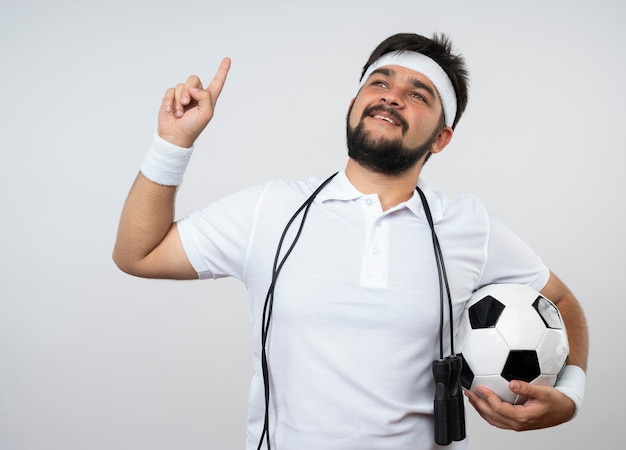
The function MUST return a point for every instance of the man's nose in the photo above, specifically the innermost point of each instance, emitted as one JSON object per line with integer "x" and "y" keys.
{"x": 392, "y": 97}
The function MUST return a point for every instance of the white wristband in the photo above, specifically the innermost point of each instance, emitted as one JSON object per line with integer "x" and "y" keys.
{"x": 571, "y": 382}
{"x": 165, "y": 163}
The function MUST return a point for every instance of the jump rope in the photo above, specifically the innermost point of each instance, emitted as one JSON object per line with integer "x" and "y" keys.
{"x": 448, "y": 402}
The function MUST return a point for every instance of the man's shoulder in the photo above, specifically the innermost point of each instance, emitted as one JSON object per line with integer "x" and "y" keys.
{"x": 456, "y": 205}
{"x": 290, "y": 188}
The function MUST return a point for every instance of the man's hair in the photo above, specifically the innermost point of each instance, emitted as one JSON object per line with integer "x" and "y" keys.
{"x": 438, "y": 48}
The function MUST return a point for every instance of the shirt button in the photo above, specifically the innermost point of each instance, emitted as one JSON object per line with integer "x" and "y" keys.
{"x": 368, "y": 202}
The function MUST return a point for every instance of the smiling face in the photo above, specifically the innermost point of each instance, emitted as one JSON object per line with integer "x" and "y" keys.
{"x": 394, "y": 121}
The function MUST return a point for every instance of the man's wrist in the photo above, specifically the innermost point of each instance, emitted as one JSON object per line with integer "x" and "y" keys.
{"x": 165, "y": 163}
{"x": 571, "y": 382}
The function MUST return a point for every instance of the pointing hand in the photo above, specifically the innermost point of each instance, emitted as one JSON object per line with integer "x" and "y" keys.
{"x": 187, "y": 108}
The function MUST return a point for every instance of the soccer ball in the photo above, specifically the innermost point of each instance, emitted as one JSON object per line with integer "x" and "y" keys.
{"x": 510, "y": 332}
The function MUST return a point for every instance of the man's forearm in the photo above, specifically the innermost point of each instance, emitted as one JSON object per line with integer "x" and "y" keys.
{"x": 146, "y": 218}
{"x": 574, "y": 318}
{"x": 576, "y": 326}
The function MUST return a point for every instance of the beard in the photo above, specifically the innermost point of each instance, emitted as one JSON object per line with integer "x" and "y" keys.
{"x": 384, "y": 156}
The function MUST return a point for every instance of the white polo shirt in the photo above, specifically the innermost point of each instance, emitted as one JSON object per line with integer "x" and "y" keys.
{"x": 356, "y": 307}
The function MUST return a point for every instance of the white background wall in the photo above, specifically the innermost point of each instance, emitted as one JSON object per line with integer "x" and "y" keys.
{"x": 93, "y": 359}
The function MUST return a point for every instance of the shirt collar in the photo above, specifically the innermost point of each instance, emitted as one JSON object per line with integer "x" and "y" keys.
{"x": 435, "y": 202}
{"x": 340, "y": 188}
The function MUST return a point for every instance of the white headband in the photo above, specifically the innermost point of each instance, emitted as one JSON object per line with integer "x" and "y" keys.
{"x": 427, "y": 67}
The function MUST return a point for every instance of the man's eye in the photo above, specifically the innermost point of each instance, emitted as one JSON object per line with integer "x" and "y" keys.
{"x": 418, "y": 96}
{"x": 379, "y": 83}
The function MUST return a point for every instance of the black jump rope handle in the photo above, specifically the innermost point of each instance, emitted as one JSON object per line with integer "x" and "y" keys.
{"x": 441, "y": 373}
{"x": 457, "y": 407}
{"x": 449, "y": 408}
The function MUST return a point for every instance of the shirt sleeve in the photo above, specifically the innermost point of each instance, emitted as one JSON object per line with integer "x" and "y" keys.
{"x": 216, "y": 238}
{"x": 511, "y": 260}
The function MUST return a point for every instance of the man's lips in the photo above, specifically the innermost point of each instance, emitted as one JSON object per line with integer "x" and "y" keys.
{"x": 386, "y": 114}
{"x": 385, "y": 118}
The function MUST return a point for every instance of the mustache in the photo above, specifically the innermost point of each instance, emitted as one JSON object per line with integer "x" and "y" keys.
{"x": 390, "y": 112}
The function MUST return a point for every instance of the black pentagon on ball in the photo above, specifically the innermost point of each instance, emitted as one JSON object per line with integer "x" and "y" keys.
{"x": 548, "y": 313}
{"x": 485, "y": 313}
{"x": 467, "y": 376}
{"x": 521, "y": 365}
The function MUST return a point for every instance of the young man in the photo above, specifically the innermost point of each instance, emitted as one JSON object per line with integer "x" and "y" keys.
{"x": 345, "y": 305}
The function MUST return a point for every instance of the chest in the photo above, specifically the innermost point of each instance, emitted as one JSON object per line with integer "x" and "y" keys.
{"x": 367, "y": 269}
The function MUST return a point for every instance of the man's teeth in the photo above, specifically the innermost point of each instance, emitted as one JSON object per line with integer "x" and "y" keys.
{"x": 383, "y": 118}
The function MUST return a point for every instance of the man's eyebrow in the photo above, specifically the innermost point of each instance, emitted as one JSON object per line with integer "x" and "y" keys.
{"x": 385, "y": 71}
{"x": 414, "y": 81}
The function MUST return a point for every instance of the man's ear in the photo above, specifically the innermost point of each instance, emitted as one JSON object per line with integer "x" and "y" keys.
{"x": 443, "y": 139}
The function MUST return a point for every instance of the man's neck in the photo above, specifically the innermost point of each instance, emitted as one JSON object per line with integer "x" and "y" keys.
{"x": 391, "y": 190}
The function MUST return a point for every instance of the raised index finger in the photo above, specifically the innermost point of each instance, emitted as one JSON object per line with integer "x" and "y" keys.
{"x": 217, "y": 83}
